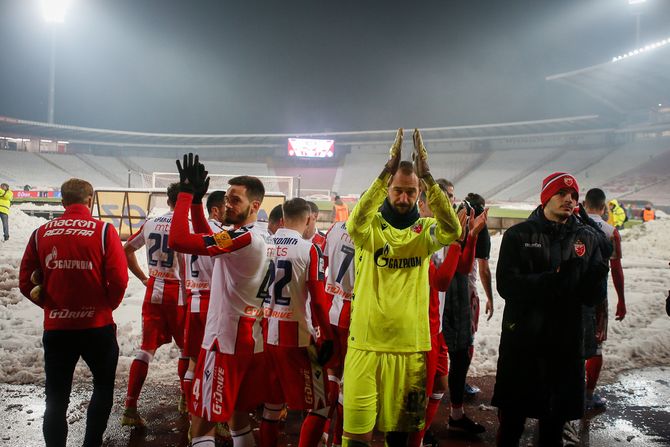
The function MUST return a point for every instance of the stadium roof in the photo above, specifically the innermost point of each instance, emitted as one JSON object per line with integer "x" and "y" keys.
{"x": 638, "y": 80}
{"x": 18, "y": 128}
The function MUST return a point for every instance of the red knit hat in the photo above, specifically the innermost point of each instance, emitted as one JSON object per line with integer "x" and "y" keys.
{"x": 554, "y": 183}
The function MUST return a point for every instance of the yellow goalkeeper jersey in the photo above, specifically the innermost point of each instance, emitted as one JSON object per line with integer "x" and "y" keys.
{"x": 391, "y": 290}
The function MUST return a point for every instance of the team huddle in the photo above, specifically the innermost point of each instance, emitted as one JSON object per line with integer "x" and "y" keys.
{"x": 366, "y": 327}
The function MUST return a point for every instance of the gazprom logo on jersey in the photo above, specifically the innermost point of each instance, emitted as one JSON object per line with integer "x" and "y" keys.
{"x": 382, "y": 259}
{"x": 52, "y": 262}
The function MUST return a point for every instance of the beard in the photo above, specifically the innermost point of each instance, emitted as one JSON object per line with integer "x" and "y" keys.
{"x": 402, "y": 208}
{"x": 238, "y": 218}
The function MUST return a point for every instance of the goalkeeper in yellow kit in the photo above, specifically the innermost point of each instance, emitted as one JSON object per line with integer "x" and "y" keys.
{"x": 389, "y": 335}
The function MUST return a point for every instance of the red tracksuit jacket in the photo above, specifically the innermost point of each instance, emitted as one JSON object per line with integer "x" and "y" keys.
{"x": 83, "y": 266}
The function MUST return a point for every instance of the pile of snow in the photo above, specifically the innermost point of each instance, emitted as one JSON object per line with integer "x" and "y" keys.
{"x": 21, "y": 321}
{"x": 525, "y": 206}
{"x": 642, "y": 339}
{"x": 40, "y": 206}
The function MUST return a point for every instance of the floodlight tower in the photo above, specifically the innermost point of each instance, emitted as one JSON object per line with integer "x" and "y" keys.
{"x": 637, "y": 12}
{"x": 54, "y": 14}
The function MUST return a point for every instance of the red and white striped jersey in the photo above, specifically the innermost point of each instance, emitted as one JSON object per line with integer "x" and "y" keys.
{"x": 198, "y": 274}
{"x": 163, "y": 262}
{"x": 339, "y": 253}
{"x": 319, "y": 239}
{"x": 239, "y": 277}
{"x": 238, "y": 283}
{"x": 287, "y": 309}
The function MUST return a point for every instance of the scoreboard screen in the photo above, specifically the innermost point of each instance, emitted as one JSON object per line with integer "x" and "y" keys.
{"x": 306, "y": 147}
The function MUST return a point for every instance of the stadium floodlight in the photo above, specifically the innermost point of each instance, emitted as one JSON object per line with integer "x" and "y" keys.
{"x": 645, "y": 49}
{"x": 54, "y": 10}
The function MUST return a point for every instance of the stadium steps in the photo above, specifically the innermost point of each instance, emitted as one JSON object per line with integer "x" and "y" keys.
{"x": 55, "y": 165}
{"x": 516, "y": 177}
{"x": 8, "y": 177}
{"x": 532, "y": 192}
{"x": 645, "y": 177}
{"x": 133, "y": 166}
{"x": 594, "y": 162}
{"x": 102, "y": 170}
{"x": 337, "y": 181}
{"x": 471, "y": 167}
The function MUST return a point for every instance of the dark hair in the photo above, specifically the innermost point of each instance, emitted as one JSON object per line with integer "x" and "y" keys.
{"x": 595, "y": 198}
{"x": 444, "y": 183}
{"x": 296, "y": 207}
{"x": 215, "y": 199}
{"x": 255, "y": 188}
{"x": 473, "y": 201}
{"x": 75, "y": 191}
{"x": 406, "y": 167}
{"x": 172, "y": 193}
{"x": 313, "y": 208}
{"x": 476, "y": 201}
{"x": 276, "y": 214}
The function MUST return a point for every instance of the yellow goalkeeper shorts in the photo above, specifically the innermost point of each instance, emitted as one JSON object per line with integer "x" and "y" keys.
{"x": 384, "y": 387}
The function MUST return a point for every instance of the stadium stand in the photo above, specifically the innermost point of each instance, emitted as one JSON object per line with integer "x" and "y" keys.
{"x": 34, "y": 169}
{"x": 568, "y": 161}
{"x": 112, "y": 167}
{"x": 454, "y": 165}
{"x": 77, "y": 167}
{"x": 647, "y": 176}
{"x": 359, "y": 168}
{"x": 500, "y": 167}
{"x": 608, "y": 172}
{"x": 312, "y": 179}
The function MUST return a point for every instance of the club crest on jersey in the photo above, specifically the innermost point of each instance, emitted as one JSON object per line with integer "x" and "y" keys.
{"x": 417, "y": 228}
{"x": 580, "y": 248}
{"x": 223, "y": 239}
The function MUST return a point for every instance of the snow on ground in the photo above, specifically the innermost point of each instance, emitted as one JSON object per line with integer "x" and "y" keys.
{"x": 21, "y": 355}
{"x": 526, "y": 206}
{"x": 642, "y": 339}
{"x": 41, "y": 206}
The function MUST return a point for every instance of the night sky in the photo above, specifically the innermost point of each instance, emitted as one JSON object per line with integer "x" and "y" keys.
{"x": 255, "y": 66}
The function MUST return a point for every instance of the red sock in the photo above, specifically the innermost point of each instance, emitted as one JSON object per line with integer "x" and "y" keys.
{"x": 326, "y": 428}
{"x": 269, "y": 433}
{"x": 415, "y": 439}
{"x": 182, "y": 367}
{"x": 311, "y": 431}
{"x": 138, "y": 373}
{"x": 333, "y": 389}
{"x": 593, "y": 366}
{"x": 433, "y": 405}
{"x": 188, "y": 387}
{"x": 431, "y": 409}
{"x": 339, "y": 422}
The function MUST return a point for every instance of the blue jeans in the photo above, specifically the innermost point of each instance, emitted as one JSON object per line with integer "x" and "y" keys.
{"x": 5, "y": 225}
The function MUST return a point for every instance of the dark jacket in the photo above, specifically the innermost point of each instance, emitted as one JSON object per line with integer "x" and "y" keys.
{"x": 545, "y": 272}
